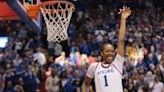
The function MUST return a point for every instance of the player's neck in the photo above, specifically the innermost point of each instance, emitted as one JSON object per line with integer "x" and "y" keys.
{"x": 105, "y": 62}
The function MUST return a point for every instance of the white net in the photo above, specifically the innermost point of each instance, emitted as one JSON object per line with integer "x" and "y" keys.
{"x": 57, "y": 16}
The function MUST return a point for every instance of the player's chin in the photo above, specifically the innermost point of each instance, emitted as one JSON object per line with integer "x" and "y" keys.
{"x": 109, "y": 61}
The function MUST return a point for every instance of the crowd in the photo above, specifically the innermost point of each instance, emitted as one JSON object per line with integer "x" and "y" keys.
{"x": 31, "y": 64}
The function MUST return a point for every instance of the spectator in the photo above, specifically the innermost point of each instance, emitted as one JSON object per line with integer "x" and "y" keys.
{"x": 31, "y": 80}
{"x": 18, "y": 46}
{"x": 39, "y": 56}
{"x": 141, "y": 85}
{"x": 18, "y": 88}
{"x": 17, "y": 60}
{"x": 21, "y": 83}
{"x": 156, "y": 85}
{"x": 9, "y": 87}
{"x": 52, "y": 82}
{"x": 63, "y": 82}
{"x": 61, "y": 60}
{"x": 149, "y": 77}
{"x": 2, "y": 84}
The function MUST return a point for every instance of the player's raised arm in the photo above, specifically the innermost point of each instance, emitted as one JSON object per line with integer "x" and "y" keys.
{"x": 125, "y": 12}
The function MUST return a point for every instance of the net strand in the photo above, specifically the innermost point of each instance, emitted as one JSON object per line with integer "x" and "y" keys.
{"x": 57, "y": 22}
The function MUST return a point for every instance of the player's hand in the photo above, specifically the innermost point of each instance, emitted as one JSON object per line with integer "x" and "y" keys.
{"x": 125, "y": 12}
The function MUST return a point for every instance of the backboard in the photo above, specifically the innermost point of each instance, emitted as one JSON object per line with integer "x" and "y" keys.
{"x": 15, "y": 10}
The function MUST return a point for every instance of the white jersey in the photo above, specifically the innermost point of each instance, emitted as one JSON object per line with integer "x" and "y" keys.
{"x": 108, "y": 78}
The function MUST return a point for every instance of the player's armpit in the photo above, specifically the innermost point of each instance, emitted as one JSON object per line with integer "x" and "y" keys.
{"x": 118, "y": 63}
{"x": 86, "y": 83}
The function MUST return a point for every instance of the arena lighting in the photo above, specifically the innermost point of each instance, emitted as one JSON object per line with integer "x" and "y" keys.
{"x": 3, "y": 41}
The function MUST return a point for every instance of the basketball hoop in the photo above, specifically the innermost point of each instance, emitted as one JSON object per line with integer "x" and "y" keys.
{"x": 57, "y": 15}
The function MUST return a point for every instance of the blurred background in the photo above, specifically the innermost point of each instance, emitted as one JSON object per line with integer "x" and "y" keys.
{"x": 28, "y": 63}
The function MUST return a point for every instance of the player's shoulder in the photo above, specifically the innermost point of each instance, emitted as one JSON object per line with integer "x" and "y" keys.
{"x": 118, "y": 56}
{"x": 94, "y": 64}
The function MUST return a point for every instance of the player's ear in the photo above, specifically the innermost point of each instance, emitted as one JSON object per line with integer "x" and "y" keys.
{"x": 101, "y": 53}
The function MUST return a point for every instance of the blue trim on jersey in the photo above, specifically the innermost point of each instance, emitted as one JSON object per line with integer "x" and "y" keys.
{"x": 117, "y": 69}
{"x": 105, "y": 66}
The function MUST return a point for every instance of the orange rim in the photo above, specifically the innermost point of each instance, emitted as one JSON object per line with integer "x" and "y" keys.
{"x": 71, "y": 8}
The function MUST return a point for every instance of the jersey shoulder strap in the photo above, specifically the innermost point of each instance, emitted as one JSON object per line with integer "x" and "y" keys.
{"x": 97, "y": 65}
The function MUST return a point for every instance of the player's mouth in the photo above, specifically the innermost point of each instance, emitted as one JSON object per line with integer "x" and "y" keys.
{"x": 110, "y": 58}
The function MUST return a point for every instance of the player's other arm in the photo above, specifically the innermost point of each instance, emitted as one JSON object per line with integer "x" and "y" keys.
{"x": 85, "y": 85}
{"x": 125, "y": 12}
{"x": 89, "y": 76}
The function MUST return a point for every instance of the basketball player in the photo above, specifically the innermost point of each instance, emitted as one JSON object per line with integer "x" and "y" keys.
{"x": 108, "y": 73}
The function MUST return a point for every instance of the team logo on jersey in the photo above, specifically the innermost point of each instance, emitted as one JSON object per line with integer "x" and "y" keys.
{"x": 102, "y": 72}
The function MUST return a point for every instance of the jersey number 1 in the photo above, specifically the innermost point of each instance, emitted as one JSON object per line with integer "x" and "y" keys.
{"x": 105, "y": 78}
